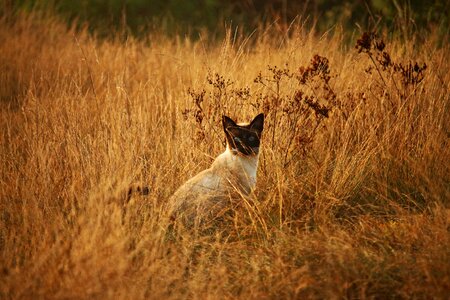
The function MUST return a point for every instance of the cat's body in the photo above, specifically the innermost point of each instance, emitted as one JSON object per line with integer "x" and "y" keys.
{"x": 231, "y": 176}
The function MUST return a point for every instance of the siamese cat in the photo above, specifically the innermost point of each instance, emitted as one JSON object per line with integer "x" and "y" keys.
{"x": 232, "y": 175}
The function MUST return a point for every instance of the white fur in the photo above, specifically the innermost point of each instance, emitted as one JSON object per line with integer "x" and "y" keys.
{"x": 246, "y": 165}
{"x": 230, "y": 173}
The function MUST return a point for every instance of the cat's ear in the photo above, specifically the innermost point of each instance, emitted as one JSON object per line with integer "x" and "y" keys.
{"x": 227, "y": 122}
{"x": 258, "y": 123}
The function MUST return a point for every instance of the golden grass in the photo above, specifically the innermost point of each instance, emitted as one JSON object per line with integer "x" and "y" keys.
{"x": 353, "y": 205}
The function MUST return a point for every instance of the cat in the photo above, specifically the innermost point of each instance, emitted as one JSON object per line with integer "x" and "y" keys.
{"x": 232, "y": 175}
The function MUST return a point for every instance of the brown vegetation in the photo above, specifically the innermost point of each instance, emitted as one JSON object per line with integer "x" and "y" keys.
{"x": 353, "y": 187}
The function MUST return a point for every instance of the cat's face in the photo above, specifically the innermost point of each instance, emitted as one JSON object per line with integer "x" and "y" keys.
{"x": 244, "y": 139}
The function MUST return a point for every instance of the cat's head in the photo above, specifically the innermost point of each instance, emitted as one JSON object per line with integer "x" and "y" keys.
{"x": 243, "y": 139}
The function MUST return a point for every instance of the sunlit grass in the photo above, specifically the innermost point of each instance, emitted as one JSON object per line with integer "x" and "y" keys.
{"x": 353, "y": 185}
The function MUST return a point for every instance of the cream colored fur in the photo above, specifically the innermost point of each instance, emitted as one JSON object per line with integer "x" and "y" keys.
{"x": 211, "y": 192}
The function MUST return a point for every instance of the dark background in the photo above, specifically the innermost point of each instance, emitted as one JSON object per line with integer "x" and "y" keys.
{"x": 191, "y": 16}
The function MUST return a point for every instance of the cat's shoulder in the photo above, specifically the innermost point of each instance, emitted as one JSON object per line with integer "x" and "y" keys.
{"x": 203, "y": 181}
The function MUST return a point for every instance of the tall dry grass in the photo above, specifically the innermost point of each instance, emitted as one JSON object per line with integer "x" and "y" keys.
{"x": 353, "y": 186}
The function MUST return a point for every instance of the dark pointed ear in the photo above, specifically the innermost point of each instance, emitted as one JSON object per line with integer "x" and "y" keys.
{"x": 227, "y": 122}
{"x": 258, "y": 123}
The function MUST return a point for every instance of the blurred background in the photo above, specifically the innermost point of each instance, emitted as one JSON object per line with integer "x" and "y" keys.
{"x": 189, "y": 17}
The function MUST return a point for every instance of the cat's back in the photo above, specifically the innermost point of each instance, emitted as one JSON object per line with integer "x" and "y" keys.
{"x": 204, "y": 182}
{"x": 195, "y": 192}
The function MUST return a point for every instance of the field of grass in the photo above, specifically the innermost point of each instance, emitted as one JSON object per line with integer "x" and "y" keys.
{"x": 352, "y": 198}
